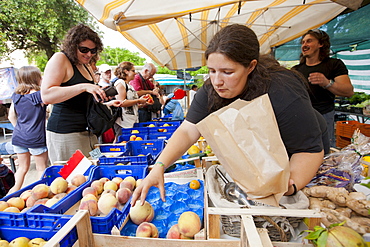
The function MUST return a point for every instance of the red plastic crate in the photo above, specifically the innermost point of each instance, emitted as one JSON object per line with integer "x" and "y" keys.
{"x": 346, "y": 128}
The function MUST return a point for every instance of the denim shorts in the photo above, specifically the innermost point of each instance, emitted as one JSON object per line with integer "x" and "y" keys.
{"x": 33, "y": 151}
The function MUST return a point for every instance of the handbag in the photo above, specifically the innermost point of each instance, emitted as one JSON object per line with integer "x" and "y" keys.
{"x": 100, "y": 117}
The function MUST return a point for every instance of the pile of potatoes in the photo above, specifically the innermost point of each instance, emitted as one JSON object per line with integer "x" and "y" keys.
{"x": 44, "y": 194}
{"x": 104, "y": 194}
{"x": 23, "y": 242}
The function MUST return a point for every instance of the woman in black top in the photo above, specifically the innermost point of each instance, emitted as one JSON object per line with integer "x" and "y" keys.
{"x": 238, "y": 72}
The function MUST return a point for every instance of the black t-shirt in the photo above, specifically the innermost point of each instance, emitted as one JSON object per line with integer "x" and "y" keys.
{"x": 322, "y": 99}
{"x": 302, "y": 129}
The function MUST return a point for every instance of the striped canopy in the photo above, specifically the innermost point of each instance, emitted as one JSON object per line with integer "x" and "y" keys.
{"x": 175, "y": 34}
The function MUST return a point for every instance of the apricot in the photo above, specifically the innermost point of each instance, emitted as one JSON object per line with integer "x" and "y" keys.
{"x": 90, "y": 190}
{"x": 40, "y": 191}
{"x": 107, "y": 202}
{"x": 140, "y": 213}
{"x": 12, "y": 210}
{"x": 98, "y": 186}
{"x": 25, "y": 194}
{"x": 78, "y": 179}
{"x": 189, "y": 224}
{"x": 117, "y": 180}
{"x": 130, "y": 179}
{"x": 147, "y": 230}
{"x": 3, "y": 205}
{"x": 90, "y": 205}
{"x": 16, "y": 202}
{"x": 59, "y": 185}
{"x": 126, "y": 184}
{"x": 110, "y": 185}
{"x": 123, "y": 195}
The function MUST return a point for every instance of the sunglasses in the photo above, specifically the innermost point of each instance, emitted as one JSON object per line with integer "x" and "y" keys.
{"x": 84, "y": 49}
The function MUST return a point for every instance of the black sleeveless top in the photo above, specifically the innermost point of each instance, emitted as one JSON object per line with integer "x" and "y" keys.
{"x": 70, "y": 116}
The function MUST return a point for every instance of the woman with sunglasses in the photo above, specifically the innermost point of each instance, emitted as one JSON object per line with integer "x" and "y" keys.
{"x": 68, "y": 81}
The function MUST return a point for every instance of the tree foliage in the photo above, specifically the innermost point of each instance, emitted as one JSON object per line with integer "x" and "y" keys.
{"x": 38, "y": 26}
{"x": 114, "y": 56}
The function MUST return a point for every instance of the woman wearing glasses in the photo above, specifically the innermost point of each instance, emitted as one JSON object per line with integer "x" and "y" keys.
{"x": 125, "y": 72}
{"x": 68, "y": 81}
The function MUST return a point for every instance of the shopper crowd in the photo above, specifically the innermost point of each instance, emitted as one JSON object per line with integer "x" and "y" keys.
{"x": 236, "y": 69}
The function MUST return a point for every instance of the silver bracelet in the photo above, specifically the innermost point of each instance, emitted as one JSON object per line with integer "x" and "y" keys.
{"x": 329, "y": 85}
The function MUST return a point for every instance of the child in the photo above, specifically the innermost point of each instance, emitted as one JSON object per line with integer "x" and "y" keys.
{"x": 28, "y": 114}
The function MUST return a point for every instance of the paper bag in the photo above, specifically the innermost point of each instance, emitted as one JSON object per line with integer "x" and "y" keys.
{"x": 245, "y": 138}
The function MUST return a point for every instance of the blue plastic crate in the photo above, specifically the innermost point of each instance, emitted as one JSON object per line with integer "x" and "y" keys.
{"x": 11, "y": 233}
{"x": 179, "y": 198}
{"x": 153, "y": 130}
{"x": 160, "y": 136}
{"x": 142, "y": 130}
{"x": 126, "y": 137}
{"x": 126, "y": 160}
{"x": 112, "y": 148}
{"x": 99, "y": 224}
{"x": 20, "y": 219}
{"x": 175, "y": 123}
{"x": 153, "y": 147}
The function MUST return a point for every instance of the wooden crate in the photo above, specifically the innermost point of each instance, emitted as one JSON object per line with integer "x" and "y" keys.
{"x": 250, "y": 235}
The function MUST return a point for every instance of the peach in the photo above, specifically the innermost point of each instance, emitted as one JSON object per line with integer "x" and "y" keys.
{"x": 89, "y": 197}
{"x": 16, "y": 202}
{"x": 138, "y": 138}
{"x": 189, "y": 224}
{"x": 30, "y": 202}
{"x": 117, "y": 180}
{"x": 23, "y": 210}
{"x": 147, "y": 230}
{"x": 98, "y": 186}
{"x": 110, "y": 185}
{"x": 70, "y": 188}
{"x": 140, "y": 213}
{"x": 60, "y": 196}
{"x": 12, "y": 210}
{"x": 131, "y": 179}
{"x": 132, "y": 137}
{"x": 51, "y": 202}
{"x": 59, "y": 185}
{"x": 104, "y": 180}
{"x": 40, "y": 191}
{"x": 113, "y": 192}
{"x": 78, "y": 179}
{"x": 90, "y": 190}
{"x": 126, "y": 184}
{"x": 89, "y": 205}
{"x": 3, "y": 205}
{"x": 173, "y": 232}
{"x": 25, "y": 194}
{"x": 138, "y": 182}
{"x": 41, "y": 201}
{"x": 123, "y": 195}
{"x": 107, "y": 202}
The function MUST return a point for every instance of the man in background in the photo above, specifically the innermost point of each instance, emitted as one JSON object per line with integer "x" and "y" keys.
{"x": 105, "y": 73}
{"x": 192, "y": 92}
{"x": 326, "y": 76}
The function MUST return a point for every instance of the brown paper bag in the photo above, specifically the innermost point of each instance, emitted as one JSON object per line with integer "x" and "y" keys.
{"x": 245, "y": 138}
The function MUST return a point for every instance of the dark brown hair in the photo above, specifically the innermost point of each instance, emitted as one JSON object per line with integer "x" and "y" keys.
{"x": 28, "y": 77}
{"x": 75, "y": 36}
{"x": 120, "y": 70}
{"x": 323, "y": 39}
{"x": 240, "y": 44}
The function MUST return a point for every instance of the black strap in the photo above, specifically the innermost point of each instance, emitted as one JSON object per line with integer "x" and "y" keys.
{"x": 295, "y": 190}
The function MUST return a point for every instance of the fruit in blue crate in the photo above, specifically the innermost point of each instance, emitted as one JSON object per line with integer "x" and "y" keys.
{"x": 98, "y": 186}
{"x": 110, "y": 185}
{"x": 132, "y": 137}
{"x": 138, "y": 182}
{"x": 89, "y": 197}
{"x": 193, "y": 150}
{"x": 4, "y": 243}
{"x": 78, "y": 179}
{"x": 36, "y": 242}
{"x": 123, "y": 195}
{"x": 19, "y": 242}
{"x": 3, "y": 205}
{"x": 12, "y": 210}
{"x": 91, "y": 206}
{"x": 165, "y": 125}
{"x": 107, "y": 202}
{"x": 70, "y": 188}
{"x": 138, "y": 138}
{"x": 25, "y": 195}
{"x": 147, "y": 230}
{"x": 126, "y": 184}
{"x": 151, "y": 125}
{"x": 141, "y": 213}
{"x": 59, "y": 185}
{"x": 40, "y": 191}
{"x": 194, "y": 184}
{"x": 16, "y": 202}
{"x": 134, "y": 132}
{"x": 117, "y": 180}
{"x": 173, "y": 232}
{"x": 90, "y": 190}
{"x": 189, "y": 224}
{"x": 130, "y": 179}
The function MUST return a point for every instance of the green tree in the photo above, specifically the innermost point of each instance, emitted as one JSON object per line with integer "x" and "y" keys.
{"x": 38, "y": 26}
{"x": 114, "y": 56}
